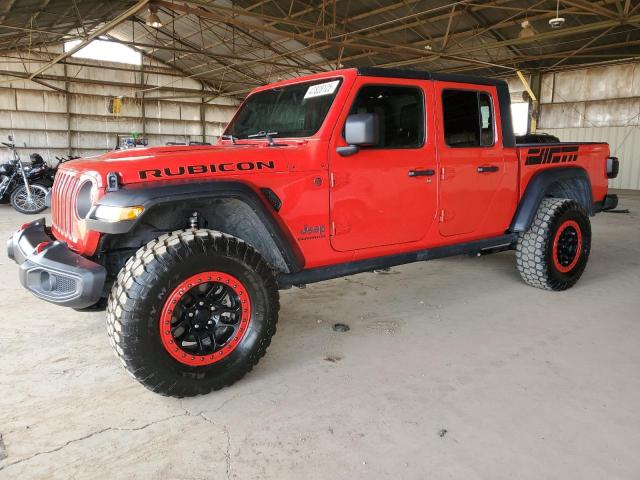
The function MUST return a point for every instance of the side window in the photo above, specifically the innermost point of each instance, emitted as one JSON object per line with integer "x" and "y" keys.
{"x": 400, "y": 112}
{"x": 468, "y": 118}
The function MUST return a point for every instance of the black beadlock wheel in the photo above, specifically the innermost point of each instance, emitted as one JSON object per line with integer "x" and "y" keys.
{"x": 193, "y": 311}
{"x": 553, "y": 253}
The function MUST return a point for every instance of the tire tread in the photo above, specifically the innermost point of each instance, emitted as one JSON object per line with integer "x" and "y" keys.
{"x": 133, "y": 283}
{"x": 532, "y": 247}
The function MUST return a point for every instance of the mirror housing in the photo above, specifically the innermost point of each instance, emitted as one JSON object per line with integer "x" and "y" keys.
{"x": 362, "y": 129}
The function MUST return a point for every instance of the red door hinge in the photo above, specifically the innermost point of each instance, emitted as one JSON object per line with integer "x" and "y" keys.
{"x": 337, "y": 180}
{"x": 340, "y": 229}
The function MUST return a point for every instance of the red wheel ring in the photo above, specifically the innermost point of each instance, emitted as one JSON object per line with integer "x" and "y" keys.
{"x": 567, "y": 246}
{"x": 204, "y": 318}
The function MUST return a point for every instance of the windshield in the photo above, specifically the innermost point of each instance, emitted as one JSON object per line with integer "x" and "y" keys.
{"x": 293, "y": 111}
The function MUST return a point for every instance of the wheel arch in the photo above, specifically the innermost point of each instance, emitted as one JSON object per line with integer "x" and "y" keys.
{"x": 567, "y": 182}
{"x": 233, "y": 208}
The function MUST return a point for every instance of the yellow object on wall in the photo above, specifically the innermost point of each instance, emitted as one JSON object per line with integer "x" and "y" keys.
{"x": 115, "y": 106}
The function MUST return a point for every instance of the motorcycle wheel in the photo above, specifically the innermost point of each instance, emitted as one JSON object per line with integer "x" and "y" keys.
{"x": 21, "y": 201}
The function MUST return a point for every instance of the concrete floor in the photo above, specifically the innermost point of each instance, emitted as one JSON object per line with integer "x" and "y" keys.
{"x": 452, "y": 369}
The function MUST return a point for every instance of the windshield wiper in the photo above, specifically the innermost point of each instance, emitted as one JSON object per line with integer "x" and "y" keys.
{"x": 267, "y": 135}
{"x": 229, "y": 137}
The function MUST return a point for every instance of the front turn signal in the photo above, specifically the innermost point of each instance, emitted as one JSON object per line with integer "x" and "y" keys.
{"x": 110, "y": 213}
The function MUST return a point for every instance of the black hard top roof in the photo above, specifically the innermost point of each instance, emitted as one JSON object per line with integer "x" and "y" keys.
{"x": 420, "y": 75}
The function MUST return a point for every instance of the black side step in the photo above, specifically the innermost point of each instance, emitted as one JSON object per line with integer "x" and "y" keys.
{"x": 319, "y": 274}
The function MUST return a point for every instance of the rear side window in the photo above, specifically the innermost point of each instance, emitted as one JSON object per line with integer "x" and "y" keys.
{"x": 468, "y": 119}
{"x": 400, "y": 112}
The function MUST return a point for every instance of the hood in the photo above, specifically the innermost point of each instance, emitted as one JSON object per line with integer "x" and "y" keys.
{"x": 185, "y": 162}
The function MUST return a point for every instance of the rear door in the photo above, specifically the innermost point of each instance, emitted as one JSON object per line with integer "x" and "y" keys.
{"x": 376, "y": 197}
{"x": 471, "y": 156}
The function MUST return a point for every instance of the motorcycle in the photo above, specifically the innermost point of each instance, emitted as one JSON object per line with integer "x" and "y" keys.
{"x": 41, "y": 172}
{"x": 25, "y": 188}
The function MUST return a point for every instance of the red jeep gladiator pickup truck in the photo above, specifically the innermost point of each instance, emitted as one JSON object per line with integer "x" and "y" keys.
{"x": 316, "y": 177}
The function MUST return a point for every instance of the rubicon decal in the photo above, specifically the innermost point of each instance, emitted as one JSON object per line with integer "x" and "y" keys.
{"x": 203, "y": 169}
{"x": 539, "y": 155}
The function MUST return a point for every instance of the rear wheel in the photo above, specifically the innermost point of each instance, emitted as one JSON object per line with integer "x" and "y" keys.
{"x": 192, "y": 312}
{"x": 31, "y": 203}
{"x": 554, "y": 252}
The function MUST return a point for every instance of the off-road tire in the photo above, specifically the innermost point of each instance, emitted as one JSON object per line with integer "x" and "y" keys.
{"x": 141, "y": 290}
{"x": 535, "y": 247}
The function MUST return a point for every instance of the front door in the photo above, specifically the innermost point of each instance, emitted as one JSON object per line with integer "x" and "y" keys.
{"x": 471, "y": 157}
{"x": 385, "y": 194}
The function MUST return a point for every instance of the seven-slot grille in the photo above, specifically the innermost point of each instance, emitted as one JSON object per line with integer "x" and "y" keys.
{"x": 63, "y": 200}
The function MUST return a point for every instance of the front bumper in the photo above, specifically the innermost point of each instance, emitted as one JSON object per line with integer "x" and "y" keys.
{"x": 53, "y": 272}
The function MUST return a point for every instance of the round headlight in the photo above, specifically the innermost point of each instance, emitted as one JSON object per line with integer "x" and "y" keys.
{"x": 85, "y": 199}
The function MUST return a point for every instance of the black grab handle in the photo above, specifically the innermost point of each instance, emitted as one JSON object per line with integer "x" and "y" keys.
{"x": 487, "y": 169}
{"x": 421, "y": 173}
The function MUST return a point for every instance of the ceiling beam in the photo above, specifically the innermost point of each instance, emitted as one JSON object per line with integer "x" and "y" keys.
{"x": 100, "y": 31}
{"x": 584, "y": 46}
{"x": 523, "y": 59}
{"x": 137, "y": 86}
{"x": 381, "y": 46}
{"x": 235, "y": 11}
{"x": 562, "y": 32}
{"x": 465, "y": 35}
{"x": 186, "y": 43}
{"x": 272, "y": 46}
{"x": 204, "y": 53}
{"x": 614, "y": 47}
{"x": 593, "y": 7}
{"x": 6, "y": 8}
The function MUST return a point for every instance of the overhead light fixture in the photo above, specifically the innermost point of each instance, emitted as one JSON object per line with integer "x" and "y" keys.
{"x": 153, "y": 20}
{"x": 558, "y": 21}
{"x": 527, "y": 30}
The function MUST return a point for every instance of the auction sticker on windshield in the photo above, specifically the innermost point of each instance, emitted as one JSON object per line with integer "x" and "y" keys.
{"x": 321, "y": 89}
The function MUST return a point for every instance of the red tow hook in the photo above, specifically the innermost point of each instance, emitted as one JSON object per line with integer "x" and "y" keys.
{"x": 41, "y": 246}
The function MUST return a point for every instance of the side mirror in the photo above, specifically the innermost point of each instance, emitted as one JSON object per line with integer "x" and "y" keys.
{"x": 360, "y": 130}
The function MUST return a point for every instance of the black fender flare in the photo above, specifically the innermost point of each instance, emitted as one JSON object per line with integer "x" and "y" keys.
{"x": 541, "y": 185}
{"x": 154, "y": 194}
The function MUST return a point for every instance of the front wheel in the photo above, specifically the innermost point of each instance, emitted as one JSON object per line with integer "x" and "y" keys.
{"x": 553, "y": 253}
{"x": 192, "y": 311}
{"x": 29, "y": 204}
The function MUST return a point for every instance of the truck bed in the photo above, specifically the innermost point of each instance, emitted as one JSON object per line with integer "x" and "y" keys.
{"x": 589, "y": 156}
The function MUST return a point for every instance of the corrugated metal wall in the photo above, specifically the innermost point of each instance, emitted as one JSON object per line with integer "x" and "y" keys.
{"x": 79, "y": 123}
{"x": 597, "y": 105}
{"x": 624, "y": 143}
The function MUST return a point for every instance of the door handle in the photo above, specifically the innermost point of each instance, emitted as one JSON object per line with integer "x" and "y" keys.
{"x": 421, "y": 173}
{"x": 488, "y": 169}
